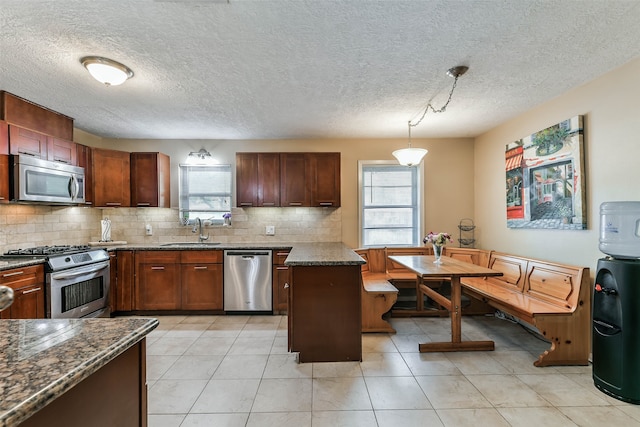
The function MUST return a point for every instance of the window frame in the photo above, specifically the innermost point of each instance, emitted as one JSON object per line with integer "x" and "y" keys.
{"x": 419, "y": 205}
{"x": 183, "y": 171}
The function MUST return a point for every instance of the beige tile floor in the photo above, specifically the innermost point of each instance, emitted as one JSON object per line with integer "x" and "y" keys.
{"x": 235, "y": 371}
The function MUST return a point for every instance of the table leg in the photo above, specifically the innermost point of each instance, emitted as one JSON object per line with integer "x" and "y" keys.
{"x": 456, "y": 343}
{"x": 419, "y": 296}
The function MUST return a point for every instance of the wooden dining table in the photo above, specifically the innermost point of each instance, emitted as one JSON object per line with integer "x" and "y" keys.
{"x": 448, "y": 268}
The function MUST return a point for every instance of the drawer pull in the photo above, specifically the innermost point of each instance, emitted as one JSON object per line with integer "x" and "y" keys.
{"x": 200, "y": 267}
{"x": 157, "y": 268}
{"x": 246, "y": 204}
{"x": 16, "y": 273}
{"x": 144, "y": 204}
{"x": 326, "y": 203}
{"x": 268, "y": 204}
{"x": 28, "y": 291}
{"x": 113, "y": 204}
{"x": 295, "y": 204}
{"x": 282, "y": 268}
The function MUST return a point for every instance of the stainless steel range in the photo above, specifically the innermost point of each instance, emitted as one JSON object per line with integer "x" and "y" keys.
{"x": 77, "y": 279}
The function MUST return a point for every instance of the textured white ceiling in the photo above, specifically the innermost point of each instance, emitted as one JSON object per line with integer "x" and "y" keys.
{"x": 252, "y": 69}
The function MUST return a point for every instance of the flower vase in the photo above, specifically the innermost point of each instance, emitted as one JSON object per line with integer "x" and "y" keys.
{"x": 227, "y": 222}
{"x": 437, "y": 253}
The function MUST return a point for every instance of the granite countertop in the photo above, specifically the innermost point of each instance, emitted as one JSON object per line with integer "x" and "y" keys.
{"x": 42, "y": 358}
{"x": 316, "y": 254}
{"x": 7, "y": 264}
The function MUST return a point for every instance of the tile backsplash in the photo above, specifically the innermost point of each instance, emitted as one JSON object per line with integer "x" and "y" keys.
{"x": 24, "y": 226}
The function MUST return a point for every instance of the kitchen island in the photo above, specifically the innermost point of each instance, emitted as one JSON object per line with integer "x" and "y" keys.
{"x": 325, "y": 323}
{"x": 72, "y": 372}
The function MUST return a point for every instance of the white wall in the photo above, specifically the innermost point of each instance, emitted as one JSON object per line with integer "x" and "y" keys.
{"x": 611, "y": 106}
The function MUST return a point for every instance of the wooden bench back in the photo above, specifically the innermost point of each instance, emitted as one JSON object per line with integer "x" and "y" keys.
{"x": 375, "y": 260}
{"x": 393, "y": 268}
{"x": 556, "y": 284}
{"x": 473, "y": 256}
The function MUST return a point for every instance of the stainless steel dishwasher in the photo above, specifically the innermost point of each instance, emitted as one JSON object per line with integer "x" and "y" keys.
{"x": 247, "y": 280}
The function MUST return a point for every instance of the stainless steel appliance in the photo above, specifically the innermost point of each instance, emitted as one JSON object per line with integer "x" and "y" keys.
{"x": 247, "y": 280}
{"x": 37, "y": 180}
{"x": 77, "y": 279}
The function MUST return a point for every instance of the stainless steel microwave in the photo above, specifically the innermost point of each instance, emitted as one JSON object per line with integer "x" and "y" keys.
{"x": 37, "y": 180}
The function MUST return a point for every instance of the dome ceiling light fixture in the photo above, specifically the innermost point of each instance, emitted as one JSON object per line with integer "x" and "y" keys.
{"x": 106, "y": 71}
{"x": 413, "y": 156}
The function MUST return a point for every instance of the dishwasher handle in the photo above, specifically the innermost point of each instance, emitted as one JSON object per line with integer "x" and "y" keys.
{"x": 247, "y": 254}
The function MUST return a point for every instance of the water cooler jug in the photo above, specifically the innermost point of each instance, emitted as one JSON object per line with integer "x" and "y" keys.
{"x": 616, "y": 303}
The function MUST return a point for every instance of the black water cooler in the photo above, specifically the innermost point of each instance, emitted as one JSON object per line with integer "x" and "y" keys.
{"x": 616, "y": 329}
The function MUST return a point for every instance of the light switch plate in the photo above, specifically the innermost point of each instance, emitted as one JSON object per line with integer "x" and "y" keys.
{"x": 270, "y": 230}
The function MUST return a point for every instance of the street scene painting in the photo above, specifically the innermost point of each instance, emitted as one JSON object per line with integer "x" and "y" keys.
{"x": 545, "y": 178}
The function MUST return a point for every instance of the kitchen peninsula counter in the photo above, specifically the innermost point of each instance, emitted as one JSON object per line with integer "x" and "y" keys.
{"x": 43, "y": 362}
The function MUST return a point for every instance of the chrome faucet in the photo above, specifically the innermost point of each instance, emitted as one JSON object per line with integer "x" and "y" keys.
{"x": 198, "y": 228}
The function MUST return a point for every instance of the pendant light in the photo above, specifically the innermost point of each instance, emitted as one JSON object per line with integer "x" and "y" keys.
{"x": 413, "y": 156}
{"x": 106, "y": 71}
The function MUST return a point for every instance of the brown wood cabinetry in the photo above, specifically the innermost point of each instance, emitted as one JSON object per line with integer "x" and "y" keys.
{"x": 25, "y": 114}
{"x": 4, "y": 137}
{"x": 84, "y": 156}
{"x": 257, "y": 179}
{"x": 157, "y": 280}
{"x": 201, "y": 274}
{"x": 325, "y": 313}
{"x": 122, "y": 283}
{"x": 150, "y": 180}
{"x": 61, "y": 150}
{"x": 293, "y": 180}
{"x": 288, "y": 179}
{"x": 25, "y": 141}
{"x": 281, "y": 279}
{"x": 28, "y": 292}
{"x": 111, "y": 171}
{"x": 323, "y": 178}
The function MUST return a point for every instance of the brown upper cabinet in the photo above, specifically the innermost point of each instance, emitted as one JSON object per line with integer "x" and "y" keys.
{"x": 111, "y": 172}
{"x": 323, "y": 178}
{"x": 257, "y": 179}
{"x": 4, "y": 162}
{"x": 150, "y": 180}
{"x": 84, "y": 155}
{"x": 288, "y": 179}
{"x": 37, "y": 131}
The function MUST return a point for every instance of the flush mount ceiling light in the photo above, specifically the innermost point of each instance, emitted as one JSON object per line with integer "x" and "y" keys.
{"x": 413, "y": 156}
{"x": 106, "y": 70}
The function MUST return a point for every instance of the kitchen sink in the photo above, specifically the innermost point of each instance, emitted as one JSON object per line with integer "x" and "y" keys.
{"x": 191, "y": 244}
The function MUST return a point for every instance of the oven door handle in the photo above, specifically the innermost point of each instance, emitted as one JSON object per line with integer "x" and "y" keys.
{"x": 80, "y": 271}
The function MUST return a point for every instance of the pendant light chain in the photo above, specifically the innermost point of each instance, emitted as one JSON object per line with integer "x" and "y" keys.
{"x": 430, "y": 107}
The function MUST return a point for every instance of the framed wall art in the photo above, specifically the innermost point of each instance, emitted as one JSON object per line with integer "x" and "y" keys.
{"x": 545, "y": 178}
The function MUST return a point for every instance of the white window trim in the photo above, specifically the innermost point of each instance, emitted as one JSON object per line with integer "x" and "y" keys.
{"x": 420, "y": 190}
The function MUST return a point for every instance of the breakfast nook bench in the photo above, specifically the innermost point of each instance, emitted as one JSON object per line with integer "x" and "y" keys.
{"x": 553, "y": 298}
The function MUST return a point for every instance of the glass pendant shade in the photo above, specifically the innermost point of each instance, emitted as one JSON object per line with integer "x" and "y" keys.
{"x": 107, "y": 71}
{"x": 409, "y": 156}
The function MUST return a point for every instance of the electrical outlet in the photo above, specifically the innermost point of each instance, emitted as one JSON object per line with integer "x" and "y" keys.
{"x": 148, "y": 230}
{"x": 270, "y": 230}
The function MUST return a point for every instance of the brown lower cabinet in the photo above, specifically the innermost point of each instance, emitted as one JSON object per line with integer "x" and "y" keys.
{"x": 201, "y": 280}
{"x": 115, "y": 395}
{"x": 325, "y": 323}
{"x": 4, "y": 178}
{"x": 281, "y": 281}
{"x": 28, "y": 292}
{"x": 173, "y": 280}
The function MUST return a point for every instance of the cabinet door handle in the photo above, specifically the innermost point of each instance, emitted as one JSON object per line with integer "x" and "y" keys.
{"x": 295, "y": 204}
{"x": 1, "y": 198}
{"x": 282, "y": 253}
{"x": 15, "y": 273}
{"x": 157, "y": 268}
{"x": 282, "y": 268}
{"x": 198, "y": 267}
{"x": 28, "y": 291}
{"x": 143, "y": 204}
{"x": 326, "y": 203}
{"x": 246, "y": 204}
{"x": 286, "y": 286}
{"x": 268, "y": 204}
{"x": 113, "y": 204}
